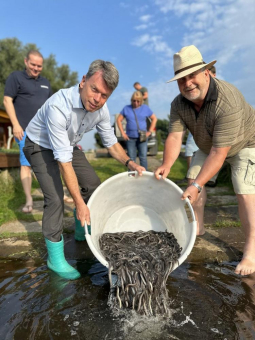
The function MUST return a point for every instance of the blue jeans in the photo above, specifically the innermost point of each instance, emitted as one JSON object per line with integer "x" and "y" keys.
{"x": 133, "y": 144}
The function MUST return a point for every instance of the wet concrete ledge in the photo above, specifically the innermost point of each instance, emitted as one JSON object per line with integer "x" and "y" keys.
{"x": 215, "y": 246}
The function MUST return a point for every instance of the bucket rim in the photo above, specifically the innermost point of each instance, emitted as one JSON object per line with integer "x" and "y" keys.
{"x": 193, "y": 223}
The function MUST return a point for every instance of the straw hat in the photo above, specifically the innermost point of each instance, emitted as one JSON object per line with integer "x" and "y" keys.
{"x": 187, "y": 61}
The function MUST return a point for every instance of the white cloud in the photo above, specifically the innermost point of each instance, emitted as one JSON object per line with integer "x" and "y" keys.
{"x": 153, "y": 44}
{"x": 144, "y": 26}
{"x": 142, "y": 40}
{"x": 141, "y": 9}
{"x": 214, "y": 25}
{"x": 145, "y": 18}
{"x": 141, "y": 27}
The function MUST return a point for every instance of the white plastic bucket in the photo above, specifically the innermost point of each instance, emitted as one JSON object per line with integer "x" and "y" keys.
{"x": 129, "y": 202}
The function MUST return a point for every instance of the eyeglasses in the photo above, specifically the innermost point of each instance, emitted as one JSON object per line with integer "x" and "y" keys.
{"x": 136, "y": 101}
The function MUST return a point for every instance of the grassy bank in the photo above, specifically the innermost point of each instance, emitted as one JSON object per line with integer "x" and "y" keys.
{"x": 12, "y": 196}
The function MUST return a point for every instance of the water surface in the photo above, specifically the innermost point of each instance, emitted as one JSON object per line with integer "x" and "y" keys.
{"x": 208, "y": 302}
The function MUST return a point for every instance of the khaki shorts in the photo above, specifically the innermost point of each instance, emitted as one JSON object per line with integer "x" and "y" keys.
{"x": 242, "y": 170}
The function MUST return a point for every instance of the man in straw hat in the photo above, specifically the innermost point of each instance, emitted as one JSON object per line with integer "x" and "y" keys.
{"x": 223, "y": 126}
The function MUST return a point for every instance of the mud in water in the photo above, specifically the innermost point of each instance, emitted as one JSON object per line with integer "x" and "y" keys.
{"x": 208, "y": 302}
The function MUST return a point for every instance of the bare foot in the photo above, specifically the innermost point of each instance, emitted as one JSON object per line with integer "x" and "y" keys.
{"x": 27, "y": 208}
{"x": 200, "y": 231}
{"x": 245, "y": 267}
{"x": 68, "y": 199}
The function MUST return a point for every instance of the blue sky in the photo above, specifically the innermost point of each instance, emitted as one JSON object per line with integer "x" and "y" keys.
{"x": 140, "y": 38}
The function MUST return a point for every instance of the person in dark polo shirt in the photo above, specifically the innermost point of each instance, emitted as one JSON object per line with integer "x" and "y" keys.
{"x": 25, "y": 92}
{"x": 223, "y": 126}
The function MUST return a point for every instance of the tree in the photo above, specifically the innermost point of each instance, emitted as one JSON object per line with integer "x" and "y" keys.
{"x": 12, "y": 54}
{"x": 162, "y": 132}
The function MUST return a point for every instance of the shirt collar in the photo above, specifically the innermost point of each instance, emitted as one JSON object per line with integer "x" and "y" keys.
{"x": 28, "y": 77}
{"x": 76, "y": 98}
{"x": 212, "y": 91}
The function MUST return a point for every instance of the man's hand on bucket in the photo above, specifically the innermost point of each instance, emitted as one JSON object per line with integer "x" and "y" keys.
{"x": 82, "y": 213}
{"x": 162, "y": 172}
{"x": 191, "y": 193}
{"x": 135, "y": 167}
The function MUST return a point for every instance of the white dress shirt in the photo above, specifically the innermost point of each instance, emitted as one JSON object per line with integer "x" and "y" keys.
{"x": 61, "y": 122}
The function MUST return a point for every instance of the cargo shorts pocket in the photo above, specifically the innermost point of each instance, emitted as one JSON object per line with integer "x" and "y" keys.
{"x": 250, "y": 173}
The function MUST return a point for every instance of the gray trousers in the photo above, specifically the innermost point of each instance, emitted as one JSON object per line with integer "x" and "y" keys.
{"x": 46, "y": 170}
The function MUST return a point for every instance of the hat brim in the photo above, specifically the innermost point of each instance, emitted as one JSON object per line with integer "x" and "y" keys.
{"x": 191, "y": 70}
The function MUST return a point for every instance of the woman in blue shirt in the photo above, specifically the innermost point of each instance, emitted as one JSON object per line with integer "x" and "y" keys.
{"x": 131, "y": 135}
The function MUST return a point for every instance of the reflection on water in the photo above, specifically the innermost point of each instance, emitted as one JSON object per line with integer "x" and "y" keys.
{"x": 208, "y": 302}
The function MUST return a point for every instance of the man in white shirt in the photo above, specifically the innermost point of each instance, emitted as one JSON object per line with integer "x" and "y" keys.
{"x": 52, "y": 136}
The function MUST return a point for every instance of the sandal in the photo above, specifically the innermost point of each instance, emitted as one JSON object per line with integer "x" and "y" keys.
{"x": 68, "y": 199}
{"x": 27, "y": 209}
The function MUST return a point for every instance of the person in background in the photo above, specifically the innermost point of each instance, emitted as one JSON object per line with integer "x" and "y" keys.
{"x": 51, "y": 147}
{"x": 190, "y": 148}
{"x": 143, "y": 91}
{"x": 25, "y": 92}
{"x": 131, "y": 135}
{"x": 223, "y": 126}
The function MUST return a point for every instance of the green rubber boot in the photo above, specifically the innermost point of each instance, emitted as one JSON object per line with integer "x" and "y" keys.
{"x": 79, "y": 233}
{"x": 57, "y": 262}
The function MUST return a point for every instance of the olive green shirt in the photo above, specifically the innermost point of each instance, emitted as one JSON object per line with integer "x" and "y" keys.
{"x": 143, "y": 90}
{"x": 225, "y": 119}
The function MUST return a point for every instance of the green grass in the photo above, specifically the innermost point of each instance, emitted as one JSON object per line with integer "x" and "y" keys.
{"x": 226, "y": 224}
{"x": 107, "y": 167}
{"x": 178, "y": 170}
{"x": 23, "y": 236}
{"x": 14, "y": 149}
{"x": 12, "y": 196}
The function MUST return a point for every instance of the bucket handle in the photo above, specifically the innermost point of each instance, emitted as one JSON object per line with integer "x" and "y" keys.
{"x": 132, "y": 173}
{"x": 87, "y": 228}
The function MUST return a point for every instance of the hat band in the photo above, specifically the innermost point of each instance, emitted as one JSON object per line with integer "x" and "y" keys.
{"x": 186, "y": 68}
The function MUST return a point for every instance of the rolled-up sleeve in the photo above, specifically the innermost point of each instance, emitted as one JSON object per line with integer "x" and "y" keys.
{"x": 176, "y": 124}
{"x": 105, "y": 130}
{"x": 57, "y": 133}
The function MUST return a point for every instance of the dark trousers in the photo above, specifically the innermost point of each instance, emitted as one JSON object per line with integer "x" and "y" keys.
{"x": 46, "y": 170}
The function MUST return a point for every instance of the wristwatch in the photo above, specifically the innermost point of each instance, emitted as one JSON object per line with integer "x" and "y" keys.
{"x": 129, "y": 160}
{"x": 199, "y": 188}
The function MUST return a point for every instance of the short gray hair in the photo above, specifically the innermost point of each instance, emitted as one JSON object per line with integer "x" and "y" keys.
{"x": 109, "y": 72}
{"x": 34, "y": 52}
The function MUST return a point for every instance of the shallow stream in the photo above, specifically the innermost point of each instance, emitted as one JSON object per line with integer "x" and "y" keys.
{"x": 208, "y": 302}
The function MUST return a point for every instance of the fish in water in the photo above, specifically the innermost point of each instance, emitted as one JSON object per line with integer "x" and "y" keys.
{"x": 142, "y": 261}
